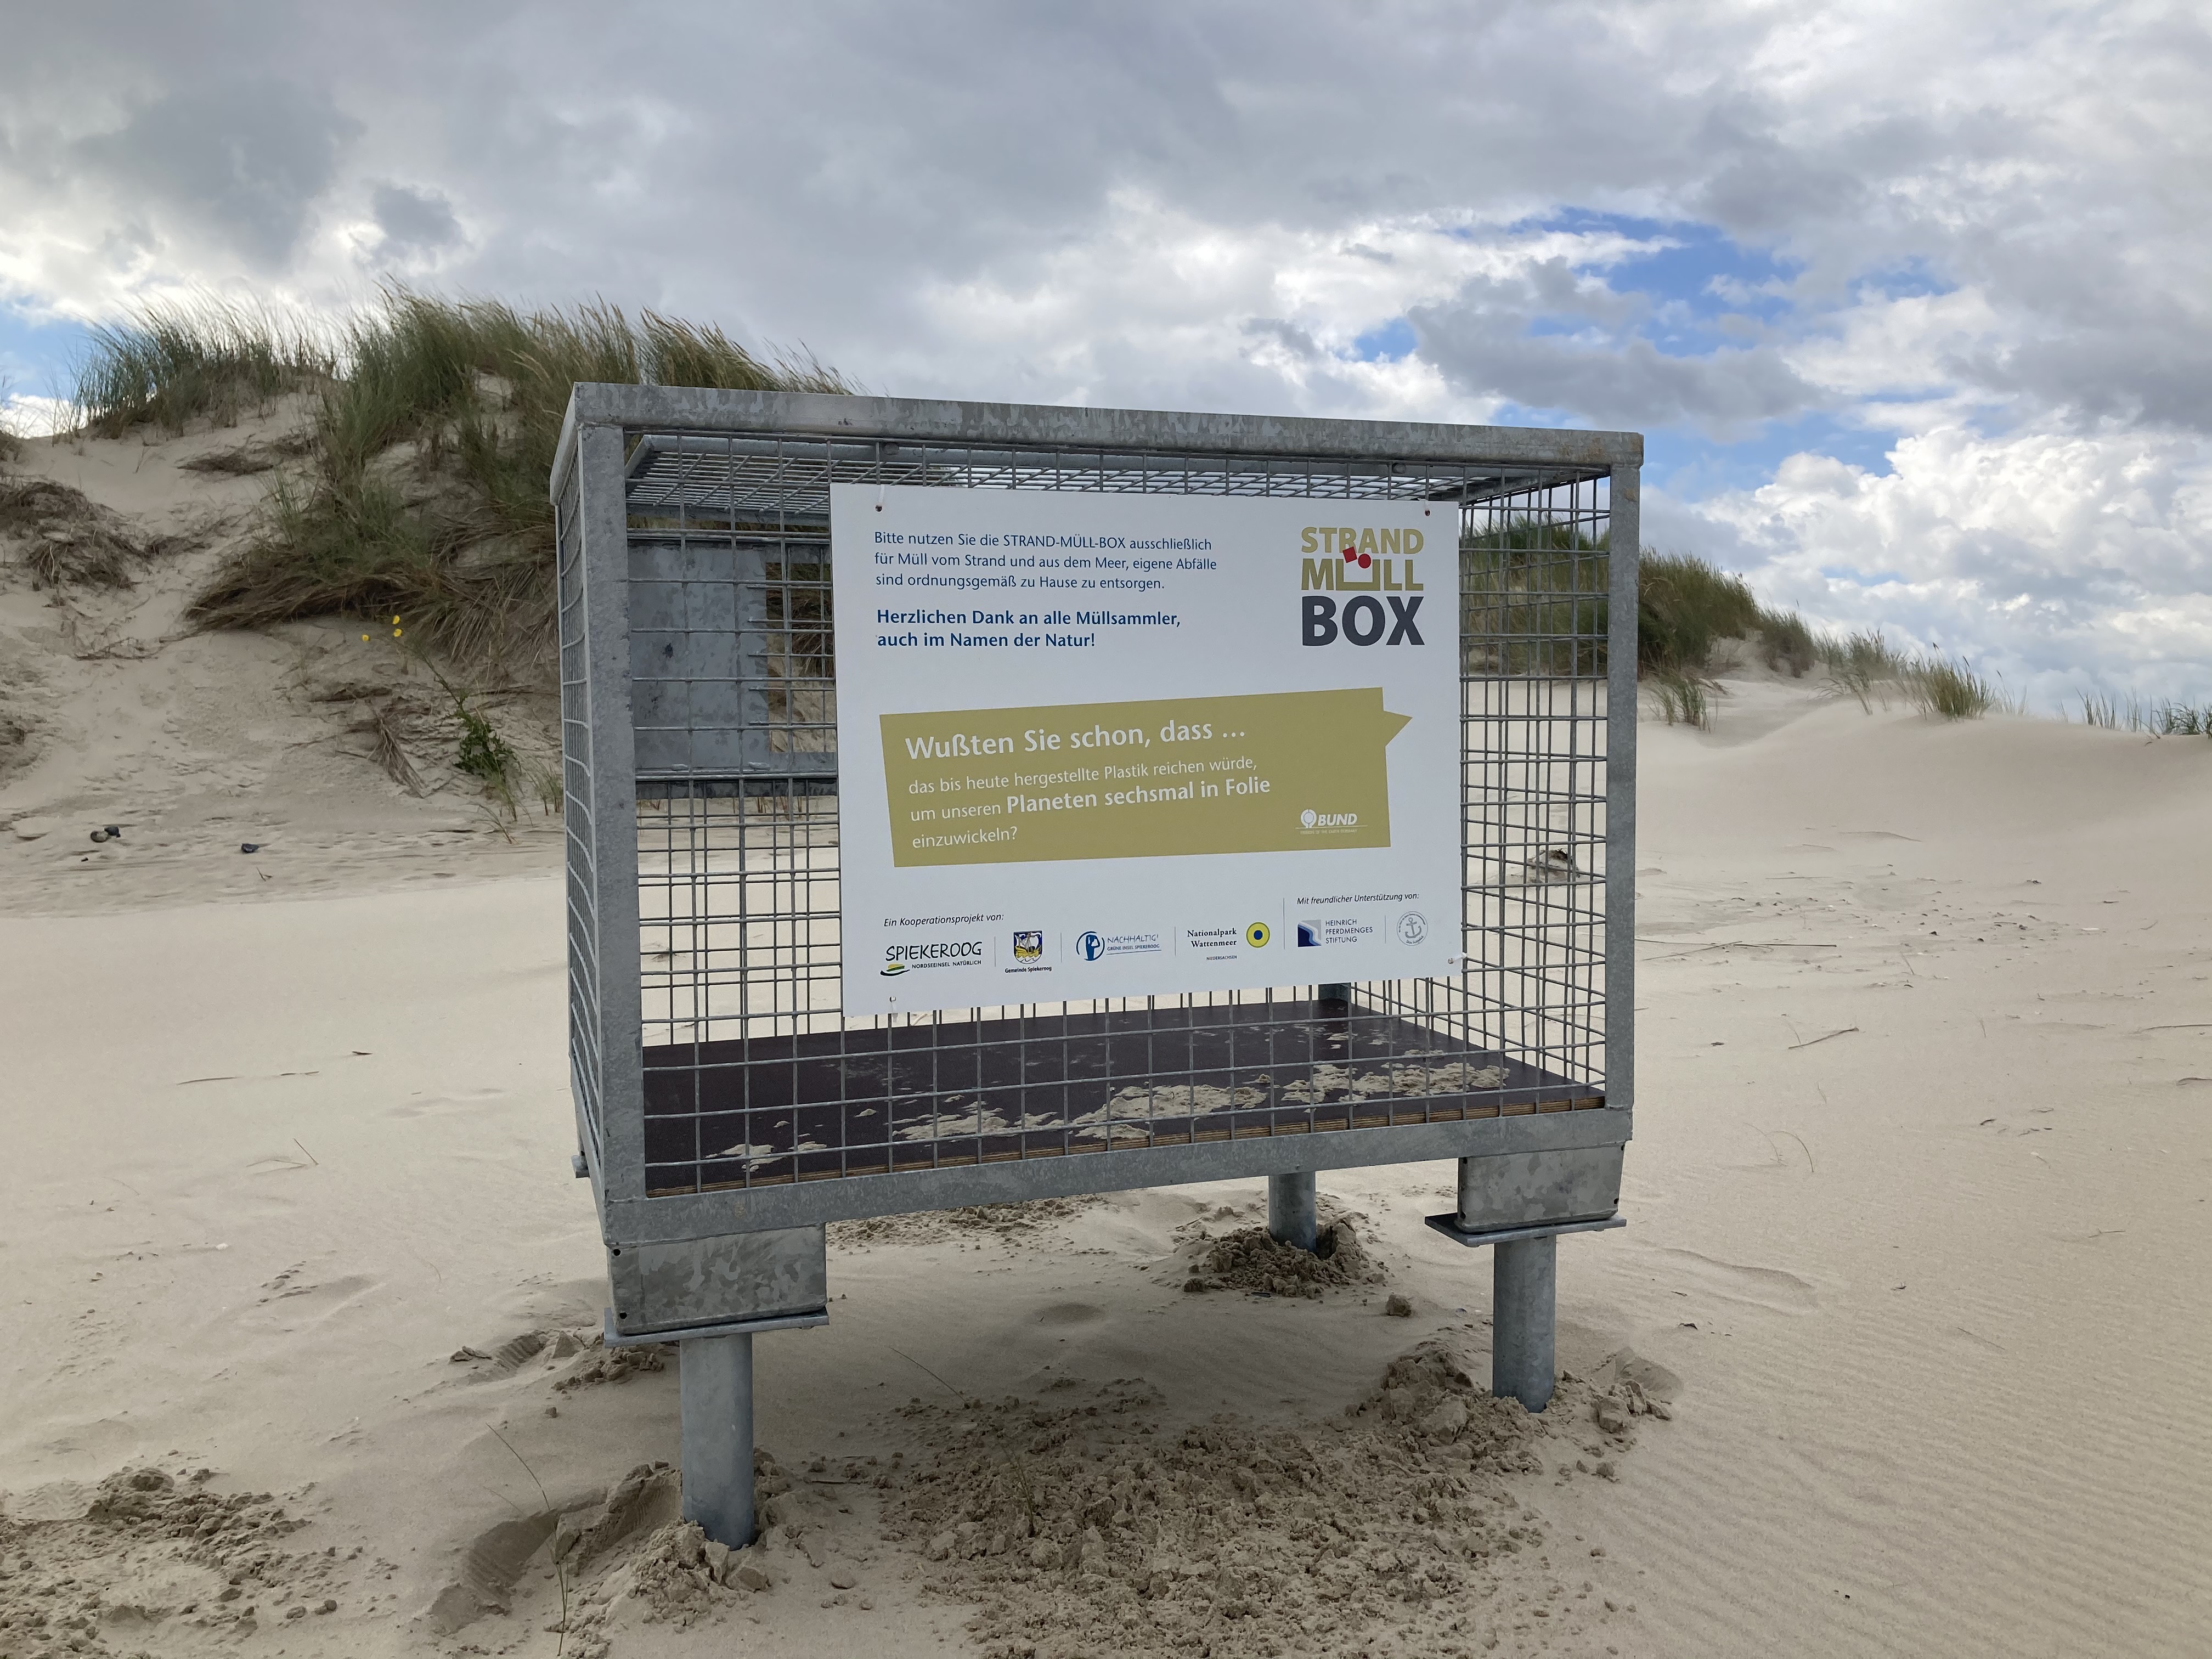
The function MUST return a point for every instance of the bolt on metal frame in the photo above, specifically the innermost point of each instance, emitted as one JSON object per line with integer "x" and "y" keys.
{"x": 719, "y": 1088}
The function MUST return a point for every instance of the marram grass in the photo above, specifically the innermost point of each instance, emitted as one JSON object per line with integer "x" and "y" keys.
{"x": 434, "y": 421}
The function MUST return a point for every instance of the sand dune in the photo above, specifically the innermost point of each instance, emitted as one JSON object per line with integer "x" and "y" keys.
{"x": 1918, "y": 1219}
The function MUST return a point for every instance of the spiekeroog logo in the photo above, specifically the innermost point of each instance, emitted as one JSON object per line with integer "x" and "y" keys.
{"x": 1027, "y": 945}
{"x": 939, "y": 953}
{"x": 1090, "y": 947}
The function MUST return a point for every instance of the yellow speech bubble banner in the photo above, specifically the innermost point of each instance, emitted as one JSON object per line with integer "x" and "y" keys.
{"x": 1279, "y": 772}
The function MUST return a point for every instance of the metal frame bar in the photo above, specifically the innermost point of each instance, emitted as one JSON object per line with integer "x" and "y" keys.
{"x": 604, "y": 525}
{"x": 699, "y": 1215}
{"x": 1624, "y": 529}
{"x": 937, "y": 420}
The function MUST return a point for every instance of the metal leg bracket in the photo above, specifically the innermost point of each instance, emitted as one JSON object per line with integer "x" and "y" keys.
{"x": 616, "y": 1339}
{"x": 1450, "y": 1227}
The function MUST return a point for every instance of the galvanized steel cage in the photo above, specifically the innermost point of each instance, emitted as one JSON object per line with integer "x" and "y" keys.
{"x": 719, "y": 1088}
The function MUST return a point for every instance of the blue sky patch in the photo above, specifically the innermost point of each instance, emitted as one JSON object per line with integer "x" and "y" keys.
{"x": 39, "y": 358}
{"x": 1690, "y": 466}
{"x": 1387, "y": 344}
{"x": 1696, "y": 276}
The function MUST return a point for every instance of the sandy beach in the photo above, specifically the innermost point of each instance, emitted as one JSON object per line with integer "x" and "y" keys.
{"x": 1901, "y": 1351}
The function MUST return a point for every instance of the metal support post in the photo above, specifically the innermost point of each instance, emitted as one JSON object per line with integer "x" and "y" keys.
{"x": 1292, "y": 1218}
{"x": 716, "y": 1389}
{"x": 1522, "y": 1320}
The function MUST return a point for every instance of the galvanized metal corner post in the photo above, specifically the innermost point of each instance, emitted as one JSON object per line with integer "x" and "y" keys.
{"x": 1623, "y": 579}
{"x": 1523, "y": 1294}
{"x": 716, "y": 1394}
{"x": 1292, "y": 1218}
{"x": 1524, "y": 1287}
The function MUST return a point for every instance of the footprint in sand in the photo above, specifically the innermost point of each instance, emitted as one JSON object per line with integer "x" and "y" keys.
{"x": 1762, "y": 1287}
{"x": 1061, "y": 1313}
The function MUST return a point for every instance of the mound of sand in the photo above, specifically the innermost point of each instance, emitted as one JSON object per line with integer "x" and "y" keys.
{"x": 335, "y": 756}
{"x": 153, "y": 1549}
{"x": 66, "y": 539}
{"x": 1086, "y": 1522}
{"x": 1249, "y": 1259}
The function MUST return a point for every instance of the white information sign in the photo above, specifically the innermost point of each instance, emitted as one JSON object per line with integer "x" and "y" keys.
{"x": 1102, "y": 745}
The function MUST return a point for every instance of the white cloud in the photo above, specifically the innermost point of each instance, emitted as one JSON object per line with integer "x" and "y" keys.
{"x": 1269, "y": 317}
{"x": 1988, "y": 222}
{"x": 2065, "y": 560}
{"x": 28, "y": 415}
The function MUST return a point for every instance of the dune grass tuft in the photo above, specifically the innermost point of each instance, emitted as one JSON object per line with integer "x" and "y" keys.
{"x": 1689, "y": 604}
{"x": 1951, "y": 690}
{"x": 1533, "y": 596}
{"x": 2100, "y": 711}
{"x": 2181, "y": 719}
{"x": 1858, "y": 662}
{"x": 11, "y": 440}
{"x": 1867, "y": 665}
{"x": 1539, "y": 586}
{"x": 206, "y": 358}
{"x": 1533, "y": 590}
{"x": 421, "y": 488}
{"x": 2163, "y": 719}
{"x": 1683, "y": 698}
{"x": 70, "y": 540}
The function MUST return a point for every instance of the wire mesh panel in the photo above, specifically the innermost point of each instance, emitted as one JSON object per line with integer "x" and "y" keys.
{"x": 751, "y": 1076}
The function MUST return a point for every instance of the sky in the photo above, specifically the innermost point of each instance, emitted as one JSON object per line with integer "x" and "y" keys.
{"x": 1910, "y": 302}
